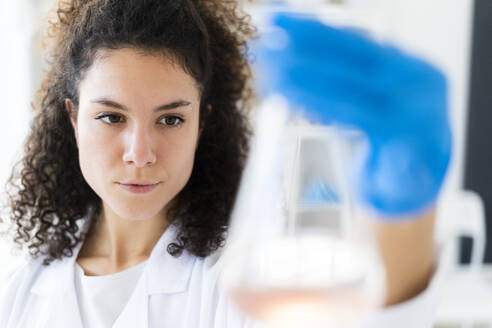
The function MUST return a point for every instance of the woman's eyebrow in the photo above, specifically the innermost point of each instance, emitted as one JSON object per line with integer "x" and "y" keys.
{"x": 111, "y": 103}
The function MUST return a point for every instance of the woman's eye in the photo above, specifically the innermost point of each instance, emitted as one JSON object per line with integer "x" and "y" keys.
{"x": 110, "y": 118}
{"x": 172, "y": 120}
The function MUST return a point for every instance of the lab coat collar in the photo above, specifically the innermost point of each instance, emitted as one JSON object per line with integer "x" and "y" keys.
{"x": 163, "y": 273}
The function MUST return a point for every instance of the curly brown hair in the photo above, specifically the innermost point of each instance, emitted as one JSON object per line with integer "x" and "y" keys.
{"x": 208, "y": 39}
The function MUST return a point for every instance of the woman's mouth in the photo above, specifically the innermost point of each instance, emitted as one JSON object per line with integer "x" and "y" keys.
{"x": 138, "y": 188}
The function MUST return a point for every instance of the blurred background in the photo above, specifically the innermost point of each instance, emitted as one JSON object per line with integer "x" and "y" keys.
{"x": 452, "y": 34}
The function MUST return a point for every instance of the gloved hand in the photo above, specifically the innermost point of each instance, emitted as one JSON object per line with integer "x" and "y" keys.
{"x": 400, "y": 102}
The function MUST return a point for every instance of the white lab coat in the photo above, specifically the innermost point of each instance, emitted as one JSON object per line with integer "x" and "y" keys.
{"x": 171, "y": 292}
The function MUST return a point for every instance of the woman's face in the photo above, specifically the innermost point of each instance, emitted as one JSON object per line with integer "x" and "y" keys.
{"x": 137, "y": 130}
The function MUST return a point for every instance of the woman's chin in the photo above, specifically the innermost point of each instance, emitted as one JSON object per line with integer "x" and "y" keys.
{"x": 135, "y": 213}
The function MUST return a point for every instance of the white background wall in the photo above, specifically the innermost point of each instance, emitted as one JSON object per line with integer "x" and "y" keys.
{"x": 20, "y": 67}
{"x": 14, "y": 90}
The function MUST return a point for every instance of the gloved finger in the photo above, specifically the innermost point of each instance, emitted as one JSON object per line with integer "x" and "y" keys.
{"x": 332, "y": 92}
{"x": 311, "y": 38}
{"x": 394, "y": 68}
{"x": 269, "y": 49}
{"x": 329, "y": 94}
{"x": 319, "y": 44}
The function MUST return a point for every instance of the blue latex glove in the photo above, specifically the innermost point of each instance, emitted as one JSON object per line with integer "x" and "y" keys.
{"x": 340, "y": 77}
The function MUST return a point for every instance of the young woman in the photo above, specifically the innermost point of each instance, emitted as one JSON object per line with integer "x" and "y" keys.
{"x": 131, "y": 168}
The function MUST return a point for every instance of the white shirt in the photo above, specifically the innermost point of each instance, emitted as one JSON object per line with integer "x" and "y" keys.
{"x": 102, "y": 298}
{"x": 171, "y": 292}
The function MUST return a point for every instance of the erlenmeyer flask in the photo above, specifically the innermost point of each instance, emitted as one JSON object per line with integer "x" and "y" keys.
{"x": 297, "y": 253}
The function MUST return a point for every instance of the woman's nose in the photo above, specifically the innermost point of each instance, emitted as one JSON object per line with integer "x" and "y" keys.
{"x": 138, "y": 148}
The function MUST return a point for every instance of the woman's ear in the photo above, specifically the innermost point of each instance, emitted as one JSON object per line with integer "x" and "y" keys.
{"x": 70, "y": 108}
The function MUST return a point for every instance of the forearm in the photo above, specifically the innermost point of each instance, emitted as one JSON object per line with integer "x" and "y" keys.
{"x": 407, "y": 251}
